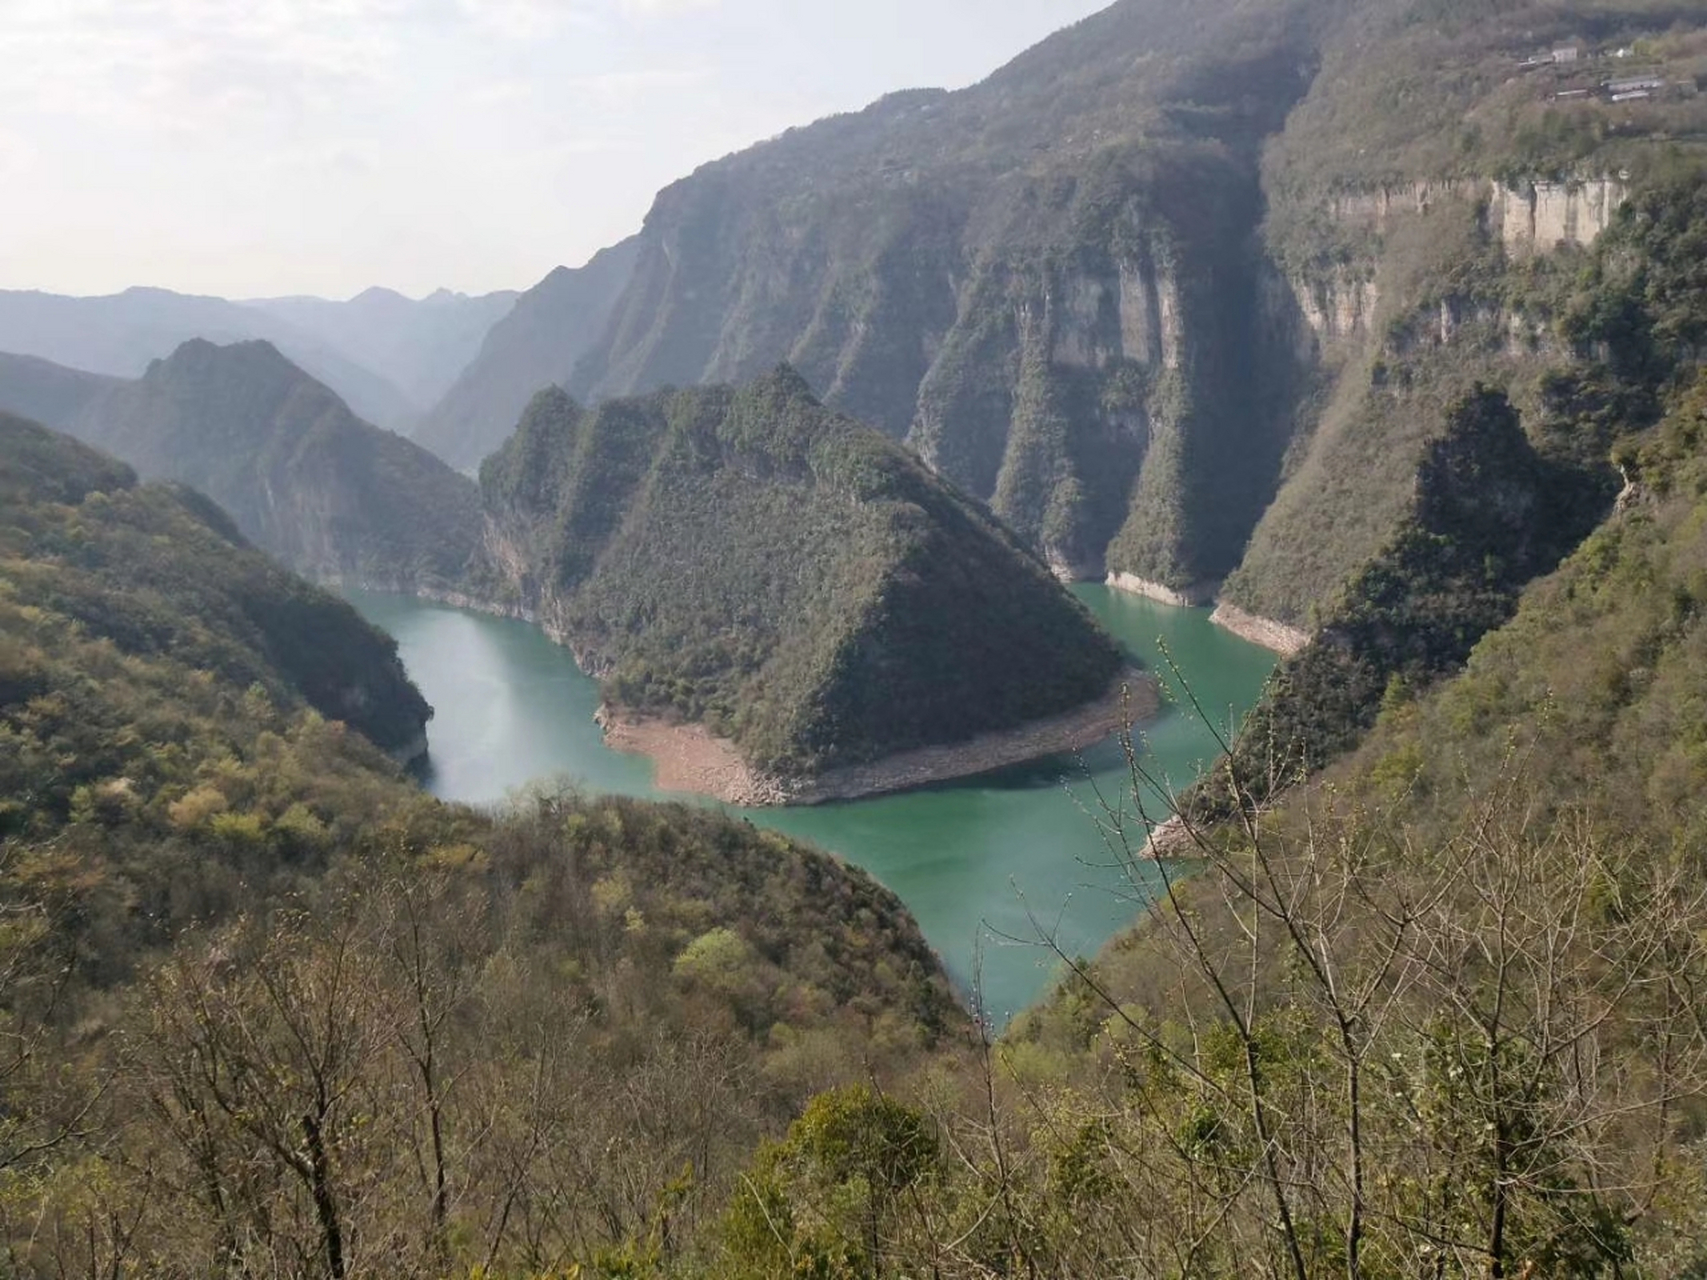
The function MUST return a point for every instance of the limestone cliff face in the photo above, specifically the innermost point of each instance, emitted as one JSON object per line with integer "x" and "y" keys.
{"x": 1420, "y": 308}
{"x": 1177, "y": 294}
{"x": 1337, "y": 304}
{"x": 1340, "y": 300}
{"x": 1048, "y": 285}
{"x": 1063, "y": 350}
{"x": 1541, "y": 216}
{"x": 1536, "y": 216}
{"x": 1084, "y": 397}
{"x": 304, "y": 479}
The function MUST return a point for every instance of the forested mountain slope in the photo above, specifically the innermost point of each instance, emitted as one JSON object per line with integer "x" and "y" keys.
{"x": 1453, "y": 974}
{"x": 1495, "y": 501}
{"x": 289, "y": 1013}
{"x": 796, "y": 581}
{"x": 1182, "y": 274}
{"x": 1433, "y": 203}
{"x": 159, "y": 574}
{"x": 303, "y": 477}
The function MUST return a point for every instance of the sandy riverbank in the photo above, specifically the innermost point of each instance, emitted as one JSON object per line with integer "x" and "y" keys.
{"x": 691, "y": 759}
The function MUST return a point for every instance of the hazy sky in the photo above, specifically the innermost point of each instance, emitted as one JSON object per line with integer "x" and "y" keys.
{"x": 255, "y": 147}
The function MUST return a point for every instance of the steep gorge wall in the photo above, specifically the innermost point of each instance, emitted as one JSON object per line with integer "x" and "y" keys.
{"x": 1085, "y": 352}
{"x": 1048, "y": 284}
{"x": 1422, "y": 310}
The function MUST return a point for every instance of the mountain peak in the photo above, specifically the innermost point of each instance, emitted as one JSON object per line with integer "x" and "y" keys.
{"x": 795, "y": 580}
{"x": 379, "y": 294}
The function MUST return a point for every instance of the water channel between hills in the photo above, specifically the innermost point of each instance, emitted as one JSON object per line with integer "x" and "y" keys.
{"x": 980, "y": 863}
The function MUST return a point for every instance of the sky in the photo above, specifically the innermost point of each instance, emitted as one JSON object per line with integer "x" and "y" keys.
{"x": 255, "y": 148}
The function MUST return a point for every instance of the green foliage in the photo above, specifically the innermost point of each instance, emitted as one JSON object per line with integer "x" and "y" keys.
{"x": 1639, "y": 314}
{"x": 172, "y": 704}
{"x": 796, "y": 581}
{"x": 253, "y": 983}
{"x": 1599, "y": 673}
{"x": 1490, "y": 510}
{"x": 822, "y": 1201}
{"x": 1485, "y": 521}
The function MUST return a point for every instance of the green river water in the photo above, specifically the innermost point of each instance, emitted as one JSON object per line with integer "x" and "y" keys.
{"x": 983, "y": 864}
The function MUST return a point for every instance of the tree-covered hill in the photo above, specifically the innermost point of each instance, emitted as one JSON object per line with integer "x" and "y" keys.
{"x": 266, "y": 1004}
{"x": 158, "y": 573}
{"x": 303, "y": 477}
{"x": 794, "y": 580}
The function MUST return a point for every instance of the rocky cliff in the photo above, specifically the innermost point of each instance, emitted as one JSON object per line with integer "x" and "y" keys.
{"x": 1048, "y": 284}
{"x": 1159, "y": 290}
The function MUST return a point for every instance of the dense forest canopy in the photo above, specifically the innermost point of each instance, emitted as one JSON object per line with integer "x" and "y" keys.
{"x": 747, "y": 558}
{"x": 252, "y": 976}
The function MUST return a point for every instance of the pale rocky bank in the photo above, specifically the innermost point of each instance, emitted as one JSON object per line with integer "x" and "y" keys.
{"x": 1275, "y": 636}
{"x": 693, "y": 760}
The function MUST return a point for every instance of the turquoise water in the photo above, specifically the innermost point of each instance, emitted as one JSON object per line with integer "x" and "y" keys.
{"x": 988, "y": 866}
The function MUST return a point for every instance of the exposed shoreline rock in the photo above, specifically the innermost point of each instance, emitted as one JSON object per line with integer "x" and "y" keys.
{"x": 1195, "y": 596}
{"x": 693, "y": 760}
{"x": 1275, "y": 636}
{"x": 690, "y": 759}
{"x": 1170, "y": 839}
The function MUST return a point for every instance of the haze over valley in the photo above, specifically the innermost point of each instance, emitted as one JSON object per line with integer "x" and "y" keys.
{"x": 631, "y": 646}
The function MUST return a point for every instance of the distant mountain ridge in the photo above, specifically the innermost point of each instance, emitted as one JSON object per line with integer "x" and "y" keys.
{"x": 305, "y": 479}
{"x": 389, "y": 357}
{"x": 419, "y": 345}
{"x": 536, "y": 345}
{"x": 41, "y": 391}
{"x": 121, "y": 334}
